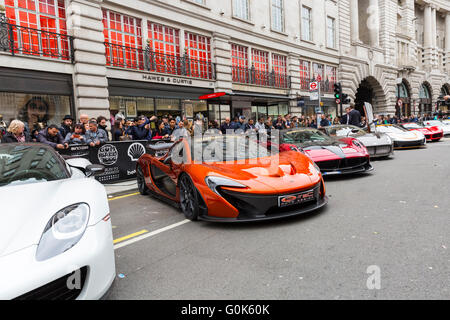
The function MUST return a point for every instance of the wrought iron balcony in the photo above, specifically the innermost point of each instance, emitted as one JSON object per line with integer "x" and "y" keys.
{"x": 28, "y": 41}
{"x": 148, "y": 60}
{"x": 261, "y": 78}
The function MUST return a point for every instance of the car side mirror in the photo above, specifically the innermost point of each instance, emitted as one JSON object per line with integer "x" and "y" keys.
{"x": 94, "y": 169}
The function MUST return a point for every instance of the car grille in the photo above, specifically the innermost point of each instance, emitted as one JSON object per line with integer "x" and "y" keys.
{"x": 347, "y": 163}
{"x": 58, "y": 289}
{"x": 374, "y": 151}
{"x": 254, "y": 205}
{"x": 437, "y": 135}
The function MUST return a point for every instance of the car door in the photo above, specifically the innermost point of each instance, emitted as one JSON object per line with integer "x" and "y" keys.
{"x": 163, "y": 175}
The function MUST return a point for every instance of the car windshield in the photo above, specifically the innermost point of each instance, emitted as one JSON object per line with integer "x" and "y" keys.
{"x": 303, "y": 136}
{"x": 412, "y": 126}
{"x": 23, "y": 164}
{"x": 391, "y": 129}
{"x": 344, "y": 131}
{"x": 228, "y": 148}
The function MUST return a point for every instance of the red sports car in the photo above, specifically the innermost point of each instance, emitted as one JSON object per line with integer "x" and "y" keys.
{"x": 231, "y": 178}
{"x": 333, "y": 155}
{"x": 431, "y": 133}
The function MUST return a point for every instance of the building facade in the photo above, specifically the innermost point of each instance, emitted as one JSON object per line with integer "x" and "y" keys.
{"x": 159, "y": 57}
{"x": 102, "y": 57}
{"x": 395, "y": 53}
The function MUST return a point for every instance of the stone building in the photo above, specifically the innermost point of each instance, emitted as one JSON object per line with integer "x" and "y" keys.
{"x": 102, "y": 57}
{"x": 146, "y": 57}
{"x": 395, "y": 50}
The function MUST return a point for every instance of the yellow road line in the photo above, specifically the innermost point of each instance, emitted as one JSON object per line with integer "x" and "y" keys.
{"x": 133, "y": 235}
{"x": 125, "y": 196}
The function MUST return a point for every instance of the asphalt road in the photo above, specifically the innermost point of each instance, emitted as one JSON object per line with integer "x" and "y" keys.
{"x": 396, "y": 218}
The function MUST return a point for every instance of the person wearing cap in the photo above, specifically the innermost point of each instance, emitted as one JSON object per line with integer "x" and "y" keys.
{"x": 142, "y": 130}
{"x": 66, "y": 126}
{"x": 240, "y": 125}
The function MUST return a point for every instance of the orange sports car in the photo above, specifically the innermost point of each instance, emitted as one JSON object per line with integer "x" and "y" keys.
{"x": 231, "y": 178}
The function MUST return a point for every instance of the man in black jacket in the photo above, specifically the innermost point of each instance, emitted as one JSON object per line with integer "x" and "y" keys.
{"x": 66, "y": 126}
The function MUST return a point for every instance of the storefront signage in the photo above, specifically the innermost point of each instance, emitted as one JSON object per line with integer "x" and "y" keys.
{"x": 212, "y": 96}
{"x": 167, "y": 80}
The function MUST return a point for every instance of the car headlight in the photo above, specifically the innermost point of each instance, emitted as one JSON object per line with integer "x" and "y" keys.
{"x": 63, "y": 231}
{"x": 215, "y": 182}
{"x": 316, "y": 167}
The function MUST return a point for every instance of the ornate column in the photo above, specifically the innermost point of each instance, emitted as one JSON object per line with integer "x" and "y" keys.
{"x": 427, "y": 36}
{"x": 354, "y": 21}
{"x": 434, "y": 36}
{"x": 222, "y": 53}
{"x": 447, "y": 41}
{"x": 374, "y": 23}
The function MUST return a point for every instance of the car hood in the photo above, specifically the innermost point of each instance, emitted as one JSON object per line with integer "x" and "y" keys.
{"x": 335, "y": 148}
{"x": 280, "y": 173}
{"x": 407, "y": 135}
{"x": 371, "y": 139}
{"x": 26, "y": 209}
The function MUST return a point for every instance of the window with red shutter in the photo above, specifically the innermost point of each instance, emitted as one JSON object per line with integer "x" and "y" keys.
{"x": 164, "y": 43}
{"x": 279, "y": 66}
{"x": 305, "y": 74}
{"x": 260, "y": 63}
{"x": 34, "y": 16}
{"x": 123, "y": 37}
{"x": 239, "y": 59}
{"x": 198, "y": 49}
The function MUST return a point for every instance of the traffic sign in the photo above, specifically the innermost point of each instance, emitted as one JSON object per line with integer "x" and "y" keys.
{"x": 313, "y": 86}
{"x": 314, "y": 95}
{"x": 319, "y": 78}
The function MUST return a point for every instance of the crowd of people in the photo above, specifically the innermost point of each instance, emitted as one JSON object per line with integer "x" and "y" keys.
{"x": 94, "y": 131}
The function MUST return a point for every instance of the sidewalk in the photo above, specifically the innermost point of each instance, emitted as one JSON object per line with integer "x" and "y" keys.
{"x": 121, "y": 188}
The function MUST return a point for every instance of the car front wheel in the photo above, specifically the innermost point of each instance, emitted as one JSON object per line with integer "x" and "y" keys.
{"x": 188, "y": 198}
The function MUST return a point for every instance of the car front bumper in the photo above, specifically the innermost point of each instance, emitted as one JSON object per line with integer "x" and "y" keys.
{"x": 22, "y": 276}
{"x": 295, "y": 212}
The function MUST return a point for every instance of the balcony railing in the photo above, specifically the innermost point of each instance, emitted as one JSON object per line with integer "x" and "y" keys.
{"x": 261, "y": 78}
{"x": 148, "y": 60}
{"x": 28, "y": 41}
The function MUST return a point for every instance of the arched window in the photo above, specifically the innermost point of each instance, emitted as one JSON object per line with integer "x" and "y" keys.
{"x": 402, "y": 91}
{"x": 424, "y": 92}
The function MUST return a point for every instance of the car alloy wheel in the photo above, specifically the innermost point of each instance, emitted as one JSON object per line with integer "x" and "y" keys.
{"x": 188, "y": 198}
{"x": 141, "y": 181}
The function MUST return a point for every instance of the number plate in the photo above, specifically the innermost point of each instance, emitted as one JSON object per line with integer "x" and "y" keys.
{"x": 293, "y": 199}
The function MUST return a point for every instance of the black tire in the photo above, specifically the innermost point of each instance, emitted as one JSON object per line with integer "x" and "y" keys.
{"x": 188, "y": 198}
{"x": 143, "y": 189}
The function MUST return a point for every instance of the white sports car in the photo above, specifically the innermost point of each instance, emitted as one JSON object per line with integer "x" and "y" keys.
{"x": 403, "y": 138}
{"x": 55, "y": 229}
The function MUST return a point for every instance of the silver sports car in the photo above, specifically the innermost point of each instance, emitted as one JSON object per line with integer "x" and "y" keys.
{"x": 378, "y": 144}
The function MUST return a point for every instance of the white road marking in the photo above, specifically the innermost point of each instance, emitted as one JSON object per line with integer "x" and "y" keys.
{"x": 150, "y": 234}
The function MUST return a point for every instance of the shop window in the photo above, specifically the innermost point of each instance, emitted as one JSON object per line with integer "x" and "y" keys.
{"x": 198, "y": 49}
{"x": 36, "y": 111}
{"x": 168, "y": 107}
{"x": 165, "y": 44}
{"x": 123, "y": 36}
{"x": 45, "y": 15}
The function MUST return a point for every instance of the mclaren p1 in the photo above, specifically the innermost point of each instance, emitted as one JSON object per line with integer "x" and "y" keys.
{"x": 231, "y": 178}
